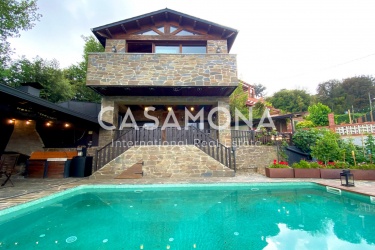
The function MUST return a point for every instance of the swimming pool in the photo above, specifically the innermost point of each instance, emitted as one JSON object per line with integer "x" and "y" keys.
{"x": 207, "y": 216}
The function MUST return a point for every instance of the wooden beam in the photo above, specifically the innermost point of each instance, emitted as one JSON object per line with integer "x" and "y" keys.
{"x": 208, "y": 29}
{"x": 168, "y": 37}
{"x": 231, "y": 34}
{"x": 195, "y": 24}
{"x": 102, "y": 34}
{"x": 123, "y": 28}
{"x": 109, "y": 33}
{"x": 139, "y": 26}
{"x": 222, "y": 33}
{"x": 152, "y": 20}
{"x": 180, "y": 20}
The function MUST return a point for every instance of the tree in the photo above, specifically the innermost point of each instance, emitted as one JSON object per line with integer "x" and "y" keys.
{"x": 237, "y": 100}
{"x": 259, "y": 90}
{"x": 76, "y": 74}
{"x": 318, "y": 114}
{"x": 15, "y": 16}
{"x": 357, "y": 90}
{"x": 343, "y": 95}
{"x": 291, "y": 100}
{"x": 56, "y": 87}
{"x": 332, "y": 94}
{"x": 326, "y": 147}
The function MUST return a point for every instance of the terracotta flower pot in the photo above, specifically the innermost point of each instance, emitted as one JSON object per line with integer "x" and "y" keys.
{"x": 330, "y": 173}
{"x": 363, "y": 174}
{"x": 307, "y": 173}
{"x": 280, "y": 172}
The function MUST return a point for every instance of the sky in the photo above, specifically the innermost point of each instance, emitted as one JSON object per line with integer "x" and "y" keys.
{"x": 288, "y": 44}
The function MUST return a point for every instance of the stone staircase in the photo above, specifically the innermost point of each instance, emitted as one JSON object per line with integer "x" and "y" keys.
{"x": 166, "y": 161}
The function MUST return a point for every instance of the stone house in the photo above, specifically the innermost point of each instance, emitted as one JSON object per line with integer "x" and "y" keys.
{"x": 173, "y": 67}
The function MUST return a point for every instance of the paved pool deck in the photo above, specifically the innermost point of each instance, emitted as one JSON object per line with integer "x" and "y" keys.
{"x": 28, "y": 189}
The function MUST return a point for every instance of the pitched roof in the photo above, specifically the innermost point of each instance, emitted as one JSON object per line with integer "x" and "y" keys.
{"x": 123, "y": 26}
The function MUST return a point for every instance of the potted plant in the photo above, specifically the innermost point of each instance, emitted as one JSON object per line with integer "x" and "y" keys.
{"x": 364, "y": 171}
{"x": 332, "y": 170}
{"x": 304, "y": 169}
{"x": 279, "y": 170}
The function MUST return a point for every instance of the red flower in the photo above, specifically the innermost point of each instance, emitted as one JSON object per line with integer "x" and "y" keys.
{"x": 274, "y": 162}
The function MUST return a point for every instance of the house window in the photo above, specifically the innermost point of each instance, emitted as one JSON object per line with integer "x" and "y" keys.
{"x": 193, "y": 49}
{"x": 139, "y": 47}
{"x": 172, "y": 29}
{"x": 170, "y": 49}
{"x": 148, "y": 33}
{"x": 185, "y": 33}
{"x": 161, "y": 29}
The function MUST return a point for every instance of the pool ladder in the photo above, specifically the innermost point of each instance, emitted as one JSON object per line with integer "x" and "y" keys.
{"x": 333, "y": 190}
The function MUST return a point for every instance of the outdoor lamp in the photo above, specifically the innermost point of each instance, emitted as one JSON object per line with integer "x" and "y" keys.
{"x": 347, "y": 178}
{"x": 114, "y": 50}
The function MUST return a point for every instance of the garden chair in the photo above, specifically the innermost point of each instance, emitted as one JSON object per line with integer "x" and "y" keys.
{"x": 7, "y": 164}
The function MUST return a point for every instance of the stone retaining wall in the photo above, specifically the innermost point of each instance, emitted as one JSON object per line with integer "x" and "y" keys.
{"x": 255, "y": 158}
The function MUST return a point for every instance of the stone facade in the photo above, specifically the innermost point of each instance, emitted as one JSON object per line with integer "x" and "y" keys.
{"x": 255, "y": 158}
{"x": 106, "y": 136}
{"x": 166, "y": 161}
{"x": 214, "y": 45}
{"x": 24, "y": 139}
{"x": 117, "y": 43}
{"x": 120, "y": 69}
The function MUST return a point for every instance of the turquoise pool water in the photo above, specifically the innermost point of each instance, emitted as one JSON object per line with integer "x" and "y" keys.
{"x": 233, "y": 216}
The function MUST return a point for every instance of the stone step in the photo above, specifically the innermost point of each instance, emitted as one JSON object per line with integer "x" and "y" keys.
{"x": 134, "y": 172}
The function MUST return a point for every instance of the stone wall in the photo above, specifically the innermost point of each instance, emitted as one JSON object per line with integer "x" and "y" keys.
{"x": 24, "y": 139}
{"x": 255, "y": 158}
{"x": 213, "y": 45}
{"x": 106, "y": 136}
{"x": 166, "y": 161}
{"x": 136, "y": 69}
{"x": 119, "y": 45}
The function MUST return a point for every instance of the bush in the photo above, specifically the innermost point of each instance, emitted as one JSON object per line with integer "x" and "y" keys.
{"x": 334, "y": 165}
{"x": 314, "y": 165}
{"x": 365, "y": 166}
{"x": 305, "y": 124}
{"x": 301, "y": 164}
{"x": 318, "y": 114}
{"x": 339, "y": 119}
{"x": 326, "y": 147}
{"x": 305, "y": 138}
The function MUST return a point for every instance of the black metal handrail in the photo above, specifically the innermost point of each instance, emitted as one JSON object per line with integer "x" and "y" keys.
{"x": 169, "y": 136}
{"x": 252, "y": 137}
{"x": 214, "y": 148}
{"x": 109, "y": 152}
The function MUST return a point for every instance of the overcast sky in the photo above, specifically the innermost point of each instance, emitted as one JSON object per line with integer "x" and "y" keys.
{"x": 281, "y": 43}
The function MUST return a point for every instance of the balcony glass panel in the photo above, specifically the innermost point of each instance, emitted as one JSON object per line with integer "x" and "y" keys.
{"x": 189, "y": 49}
{"x": 167, "y": 49}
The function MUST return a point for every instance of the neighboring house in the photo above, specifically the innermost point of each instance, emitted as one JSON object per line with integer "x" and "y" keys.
{"x": 164, "y": 60}
{"x": 252, "y": 98}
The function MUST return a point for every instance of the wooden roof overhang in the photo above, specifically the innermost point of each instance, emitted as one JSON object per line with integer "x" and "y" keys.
{"x": 20, "y": 105}
{"x": 128, "y": 28}
{"x": 164, "y": 91}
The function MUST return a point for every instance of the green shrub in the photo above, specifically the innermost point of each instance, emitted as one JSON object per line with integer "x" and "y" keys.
{"x": 314, "y": 165}
{"x": 305, "y": 124}
{"x": 365, "y": 166}
{"x": 301, "y": 164}
{"x": 305, "y": 138}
